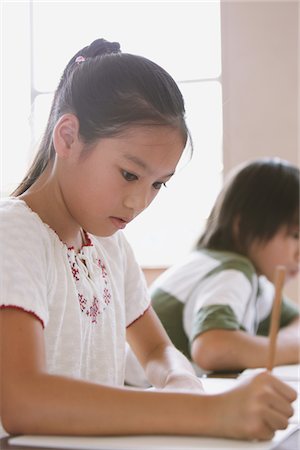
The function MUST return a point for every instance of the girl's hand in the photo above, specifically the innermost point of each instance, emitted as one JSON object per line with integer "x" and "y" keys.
{"x": 183, "y": 382}
{"x": 256, "y": 408}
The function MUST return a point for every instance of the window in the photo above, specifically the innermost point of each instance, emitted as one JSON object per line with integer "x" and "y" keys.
{"x": 183, "y": 37}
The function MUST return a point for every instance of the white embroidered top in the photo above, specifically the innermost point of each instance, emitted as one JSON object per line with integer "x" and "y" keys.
{"x": 84, "y": 300}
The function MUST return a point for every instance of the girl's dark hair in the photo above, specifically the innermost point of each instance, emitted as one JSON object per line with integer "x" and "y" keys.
{"x": 254, "y": 203}
{"x": 108, "y": 91}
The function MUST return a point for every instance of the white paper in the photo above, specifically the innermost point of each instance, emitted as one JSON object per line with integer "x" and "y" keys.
{"x": 286, "y": 373}
{"x": 149, "y": 442}
{"x": 2, "y": 431}
{"x": 218, "y": 385}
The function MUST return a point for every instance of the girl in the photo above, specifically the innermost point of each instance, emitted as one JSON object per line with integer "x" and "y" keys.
{"x": 71, "y": 291}
{"x": 216, "y": 304}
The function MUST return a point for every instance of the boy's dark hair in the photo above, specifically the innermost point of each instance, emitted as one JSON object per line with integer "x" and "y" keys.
{"x": 108, "y": 91}
{"x": 254, "y": 203}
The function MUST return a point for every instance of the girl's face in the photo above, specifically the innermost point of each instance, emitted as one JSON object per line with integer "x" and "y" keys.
{"x": 282, "y": 249}
{"x": 106, "y": 187}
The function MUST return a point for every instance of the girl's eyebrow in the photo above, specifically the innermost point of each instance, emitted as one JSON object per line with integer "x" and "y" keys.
{"x": 139, "y": 162}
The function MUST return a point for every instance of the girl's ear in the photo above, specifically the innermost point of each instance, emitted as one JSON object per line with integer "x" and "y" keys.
{"x": 66, "y": 135}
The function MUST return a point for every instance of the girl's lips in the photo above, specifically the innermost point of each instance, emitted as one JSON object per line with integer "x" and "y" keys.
{"x": 118, "y": 223}
{"x": 293, "y": 272}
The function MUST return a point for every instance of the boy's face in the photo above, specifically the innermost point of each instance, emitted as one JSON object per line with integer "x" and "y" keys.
{"x": 282, "y": 249}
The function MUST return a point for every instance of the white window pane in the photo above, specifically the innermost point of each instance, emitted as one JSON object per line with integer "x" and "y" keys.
{"x": 15, "y": 95}
{"x": 183, "y": 37}
{"x": 169, "y": 228}
{"x": 40, "y": 114}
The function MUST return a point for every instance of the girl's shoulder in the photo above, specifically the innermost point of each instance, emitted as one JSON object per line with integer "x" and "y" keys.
{"x": 10, "y": 205}
{"x": 15, "y": 208}
{"x": 15, "y": 212}
{"x": 18, "y": 223}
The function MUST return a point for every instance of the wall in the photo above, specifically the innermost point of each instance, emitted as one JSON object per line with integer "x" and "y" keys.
{"x": 260, "y": 79}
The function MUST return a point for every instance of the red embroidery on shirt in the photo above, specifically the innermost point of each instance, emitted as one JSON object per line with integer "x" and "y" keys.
{"x": 93, "y": 306}
{"x": 103, "y": 268}
{"x": 82, "y": 302}
{"x": 75, "y": 271}
{"x": 88, "y": 241}
{"x": 106, "y": 296}
{"x": 94, "y": 310}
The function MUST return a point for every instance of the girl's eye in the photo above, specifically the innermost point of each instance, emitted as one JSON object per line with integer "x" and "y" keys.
{"x": 158, "y": 184}
{"x": 293, "y": 232}
{"x": 129, "y": 176}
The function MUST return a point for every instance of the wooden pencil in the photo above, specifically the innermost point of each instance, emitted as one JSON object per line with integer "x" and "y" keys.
{"x": 275, "y": 316}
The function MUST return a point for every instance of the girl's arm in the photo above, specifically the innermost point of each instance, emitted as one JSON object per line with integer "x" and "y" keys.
{"x": 219, "y": 349}
{"x": 35, "y": 402}
{"x": 164, "y": 365}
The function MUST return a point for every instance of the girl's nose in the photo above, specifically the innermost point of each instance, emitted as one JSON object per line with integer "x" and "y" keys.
{"x": 137, "y": 201}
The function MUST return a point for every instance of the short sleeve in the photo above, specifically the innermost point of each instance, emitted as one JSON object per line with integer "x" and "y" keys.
{"x": 220, "y": 303}
{"x": 23, "y": 265}
{"x": 214, "y": 317}
{"x": 137, "y": 298}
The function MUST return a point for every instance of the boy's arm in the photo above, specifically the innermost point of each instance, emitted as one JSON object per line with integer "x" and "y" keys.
{"x": 288, "y": 343}
{"x": 289, "y": 311}
{"x": 220, "y": 349}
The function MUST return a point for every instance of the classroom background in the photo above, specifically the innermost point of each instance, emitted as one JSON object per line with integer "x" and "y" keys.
{"x": 236, "y": 62}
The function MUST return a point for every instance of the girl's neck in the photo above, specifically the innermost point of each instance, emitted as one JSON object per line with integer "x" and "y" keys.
{"x": 45, "y": 199}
